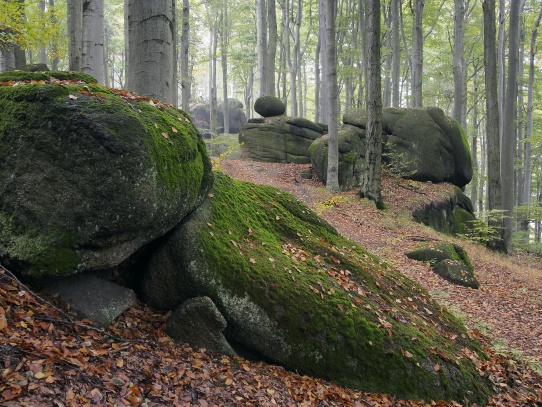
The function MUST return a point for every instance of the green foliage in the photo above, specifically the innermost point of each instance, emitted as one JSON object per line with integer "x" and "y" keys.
{"x": 217, "y": 160}
{"x": 397, "y": 164}
{"x": 488, "y": 229}
{"x": 330, "y": 203}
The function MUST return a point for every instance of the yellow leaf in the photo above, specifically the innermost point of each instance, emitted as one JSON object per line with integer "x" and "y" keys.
{"x": 39, "y": 375}
{"x": 120, "y": 362}
{"x": 50, "y": 379}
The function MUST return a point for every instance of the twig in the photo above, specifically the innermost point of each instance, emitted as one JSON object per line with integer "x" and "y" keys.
{"x": 13, "y": 277}
{"x": 410, "y": 189}
{"x": 13, "y": 349}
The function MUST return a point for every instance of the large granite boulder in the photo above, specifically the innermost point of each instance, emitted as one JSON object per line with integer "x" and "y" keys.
{"x": 89, "y": 175}
{"x": 269, "y": 106}
{"x": 200, "y": 114}
{"x": 351, "y": 145}
{"x": 281, "y": 139}
{"x": 295, "y": 293}
{"x": 419, "y": 144}
{"x": 452, "y": 214}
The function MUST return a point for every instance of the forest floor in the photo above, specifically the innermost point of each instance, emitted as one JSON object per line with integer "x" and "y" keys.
{"x": 50, "y": 359}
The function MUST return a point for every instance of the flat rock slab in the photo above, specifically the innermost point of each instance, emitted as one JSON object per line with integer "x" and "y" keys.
{"x": 93, "y": 298}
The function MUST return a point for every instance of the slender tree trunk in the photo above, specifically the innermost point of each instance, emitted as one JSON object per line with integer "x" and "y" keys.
{"x": 151, "y": 64}
{"x": 224, "y": 51}
{"x": 271, "y": 47}
{"x": 42, "y": 53}
{"x": 261, "y": 32}
{"x": 388, "y": 59}
{"x": 530, "y": 109}
{"x": 185, "y": 47}
{"x": 373, "y": 151}
{"x": 54, "y": 48}
{"x": 317, "y": 84}
{"x": 396, "y": 53}
{"x": 459, "y": 19}
{"x": 75, "y": 33}
{"x": 323, "y": 45}
{"x": 492, "y": 122}
{"x": 417, "y": 53}
{"x": 92, "y": 54}
{"x": 332, "y": 182}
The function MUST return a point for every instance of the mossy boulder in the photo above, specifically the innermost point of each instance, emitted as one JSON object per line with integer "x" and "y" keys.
{"x": 448, "y": 260}
{"x": 279, "y": 139}
{"x": 421, "y": 144}
{"x": 452, "y": 214}
{"x": 456, "y": 272}
{"x": 351, "y": 147}
{"x": 269, "y": 106}
{"x": 295, "y": 293}
{"x": 89, "y": 175}
{"x": 440, "y": 251}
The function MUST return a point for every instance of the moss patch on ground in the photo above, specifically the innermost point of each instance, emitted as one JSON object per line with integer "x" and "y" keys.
{"x": 347, "y": 315}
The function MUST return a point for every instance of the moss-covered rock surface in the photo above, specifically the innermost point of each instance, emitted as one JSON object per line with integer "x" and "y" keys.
{"x": 89, "y": 175}
{"x": 295, "y": 293}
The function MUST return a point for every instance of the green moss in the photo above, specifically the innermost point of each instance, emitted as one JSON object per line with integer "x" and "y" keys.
{"x": 350, "y": 317}
{"x": 350, "y": 157}
{"x": 45, "y": 76}
{"x": 39, "y": 253}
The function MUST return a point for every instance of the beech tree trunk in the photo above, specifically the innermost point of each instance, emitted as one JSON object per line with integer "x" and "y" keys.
{"x": 332, "y": 183}
{"x": 396, "y": 54}
{"x": 75, "y": 33}
{"x": 261, "y": 32}
{"x": 370, "y": 187}
{"x": 459, "y": 77}
{"x": 509, "y": 127}
{"x": 492, "y": 123}
{"x": 323, "y": 60}
{"x": 271, "y": 47}
{"x": 92, "y": 52}
{"x": 152, "y": 64}
{"x": 185, "y": 47}
{"x": 417, "y": 53}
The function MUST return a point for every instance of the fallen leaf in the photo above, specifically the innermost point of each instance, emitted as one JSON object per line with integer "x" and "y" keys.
{"x": 165, "y": 135}
{"x": 174, "y": 130}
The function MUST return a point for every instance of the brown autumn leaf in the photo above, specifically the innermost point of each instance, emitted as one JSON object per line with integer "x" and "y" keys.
{"x": 165, "y": 135}
{"x": 173, "y": 129}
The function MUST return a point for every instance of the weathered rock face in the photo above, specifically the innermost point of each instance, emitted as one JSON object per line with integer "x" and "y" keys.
{"x": 88, "y": 175}
{"x": 295, "y": 293}
{"x": 351, "y": 157}
{"x": 419, "y": 144}
{"x": 200, "y": 113}
{"x": 280, "y": 139}
{"x": 454, "y": 214}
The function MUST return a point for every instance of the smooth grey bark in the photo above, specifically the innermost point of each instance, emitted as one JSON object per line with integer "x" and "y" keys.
{"x": 459, "y": 61}
{"x": 396, "y": 53}
{"x": 530, "y": 110}
{"x": 509, "y": 135}
{"x": 271, "y": 47}
{"x": 494, "y": 199}
{"x": 417, "y": 53}
{"x": 92, "y": 50}
{"x": 363, "y": 32}
{"x": 323, "y": 60}
{"x": 54, "y": 49}
{"x": 332, "y": 183}
{"x": 42, "y": 52}
{"x": 224, "y": 35}
{"x": 370, "y": 187}
{"x": 185, "y": 48}
{"x": 386, "y": 11}
{"x": 295, "y": 60}
{"x": 75, "y": 33}
{"x": 152, "y": 64}
{"x": 261, "y": 44}
{"x": 212, "y": 19}
{"x": 317, "y": 81}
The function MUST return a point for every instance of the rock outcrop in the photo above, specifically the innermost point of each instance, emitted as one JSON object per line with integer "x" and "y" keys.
{"x": 89, "y": 175}
{"x": 280, "y": 139}
{"x": 200, "y": 114}
{"x": 419, "y": 144}
{"x": 295, "y": 293}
